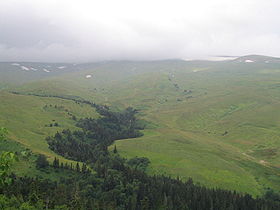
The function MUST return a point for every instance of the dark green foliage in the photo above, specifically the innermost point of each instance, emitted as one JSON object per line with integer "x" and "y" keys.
{"x": 97, "y": 135}
{"x": 127, "y": 188}
{"x": 84, "y": 168}
{"x": 56, "y": 163}
{"x": 117, "y": 183}
{"x": 112, "y": 125}
{"x": 272, "y": 195}
{"x": 41, "y": 161}
{"x": 115, "y": 150}
{"x": 76, "y": 145}
{"x": 140, "y": 163}
{"x": 78, "y": 167}
{"x": 6, "y": 161}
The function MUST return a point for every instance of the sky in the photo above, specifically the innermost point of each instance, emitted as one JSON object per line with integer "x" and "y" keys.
{"x": 91, "y": 30}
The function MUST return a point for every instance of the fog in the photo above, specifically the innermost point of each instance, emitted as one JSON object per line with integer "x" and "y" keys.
{"x": 87, "y": 31}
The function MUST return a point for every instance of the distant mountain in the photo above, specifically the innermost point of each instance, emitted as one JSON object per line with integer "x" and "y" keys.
{"x": 21, "y": 72}
{"x": 257, "y": 59}
{"x": 17, "y": 73}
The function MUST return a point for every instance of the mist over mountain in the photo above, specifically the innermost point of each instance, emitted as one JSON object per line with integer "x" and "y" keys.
{"x": 89, "y": 31}
{"x": 133, "y": 105}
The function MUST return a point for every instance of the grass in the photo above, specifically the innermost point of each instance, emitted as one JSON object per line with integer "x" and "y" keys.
{"x": 224, "y": 133}
{"x": 28, "y": 117}
{"x": 187, "y": 158}
{"x": 25, "y": 165}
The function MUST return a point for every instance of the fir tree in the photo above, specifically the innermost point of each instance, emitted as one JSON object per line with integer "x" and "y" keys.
{"x": 115, "y": 149}
{"x": 41, "y": 161}
{"x": 84, "y": 168}
{"x": 77, "y": 167}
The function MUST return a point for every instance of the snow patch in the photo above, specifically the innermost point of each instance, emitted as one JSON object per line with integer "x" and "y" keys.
{"x": 15, "y": 64}
{"x": 33, "y": 69}
{"x": 266, "y": 61}
{"x": 61, "y": 67}
{"x": 88, "y": 76}
{"x": 211, "y": 58}
{"x": 24, "y": 68}
{"x": 46, "y": 70}
{"x": 249, "y": 61}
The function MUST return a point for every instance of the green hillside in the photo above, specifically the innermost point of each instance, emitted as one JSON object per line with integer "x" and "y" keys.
{"x": 217, "y": 122}
{"x": 28, "y": 118}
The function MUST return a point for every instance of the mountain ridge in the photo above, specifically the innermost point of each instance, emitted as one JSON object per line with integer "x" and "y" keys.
{"x": 257, "y": 58}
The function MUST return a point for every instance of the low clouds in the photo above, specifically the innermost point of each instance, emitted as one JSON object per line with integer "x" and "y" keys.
{"x": 84, "y": 30}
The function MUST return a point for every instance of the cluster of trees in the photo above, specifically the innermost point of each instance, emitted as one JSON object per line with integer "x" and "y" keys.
{"x": 123, "y": 184}
{"x": 117, "y": 183}
{"x": 42, "y": 163}
{"x": 140, "y": 163}
{"x": 90, "y": 143}
{"x": 80, "y": 169}
{"x": 74, "y": 145}
{"x": 112, "y": 125}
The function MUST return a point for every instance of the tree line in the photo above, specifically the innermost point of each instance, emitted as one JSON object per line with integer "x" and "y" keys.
{"x": 116, "y": 183}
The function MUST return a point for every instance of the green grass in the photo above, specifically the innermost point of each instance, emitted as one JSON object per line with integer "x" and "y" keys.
{"x": 25, "y": 165}
{"x": 28, "y": 117}
{"x": 225, "y": 133}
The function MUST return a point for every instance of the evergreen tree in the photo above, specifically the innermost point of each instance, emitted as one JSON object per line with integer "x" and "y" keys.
{"x": 84, "y": 168}
{"x": 78, "y": 167}
{"x": 56, "y": 163}
{"x": 41, "y": 161}
{"x": 115, "y": 149}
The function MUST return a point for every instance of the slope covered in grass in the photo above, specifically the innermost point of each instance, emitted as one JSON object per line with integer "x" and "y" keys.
{"x": 30, "y": 119}
{"x": 217, "y": 122}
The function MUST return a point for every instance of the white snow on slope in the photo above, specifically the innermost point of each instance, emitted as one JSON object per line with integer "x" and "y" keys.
{"x": 88, "y": 76}
{"x": 45, "y": 70}
{"x": 24, "y": 68}
{"x": 249, "y": 61}
{"x": 61, "y": 67}
{"x": 15, "y": 64}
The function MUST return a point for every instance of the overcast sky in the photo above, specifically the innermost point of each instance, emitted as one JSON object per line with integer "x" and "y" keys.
{"x": 89, "y": 30}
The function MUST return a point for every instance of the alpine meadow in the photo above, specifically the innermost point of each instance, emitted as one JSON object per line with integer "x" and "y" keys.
{"x": 139, "y": 105}
{"x": 216, "y": 122}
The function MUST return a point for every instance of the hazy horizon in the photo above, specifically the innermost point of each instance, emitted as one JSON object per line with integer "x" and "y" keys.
{"x": 90, "y": 31}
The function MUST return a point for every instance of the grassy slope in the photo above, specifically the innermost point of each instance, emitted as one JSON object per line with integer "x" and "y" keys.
{"x": 26, "y": 164}
{"x": 26, "y": 118}
{"x": 186, "y": 138}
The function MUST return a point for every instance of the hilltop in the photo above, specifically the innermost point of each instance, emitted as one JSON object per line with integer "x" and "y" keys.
{"x": 257, "y": 58}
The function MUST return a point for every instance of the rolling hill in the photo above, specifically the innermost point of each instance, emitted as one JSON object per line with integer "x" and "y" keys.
{"x": 217, "y": 122}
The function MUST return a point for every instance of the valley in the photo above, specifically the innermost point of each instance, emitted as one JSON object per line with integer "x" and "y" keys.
{"x": 216, "y": 122}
